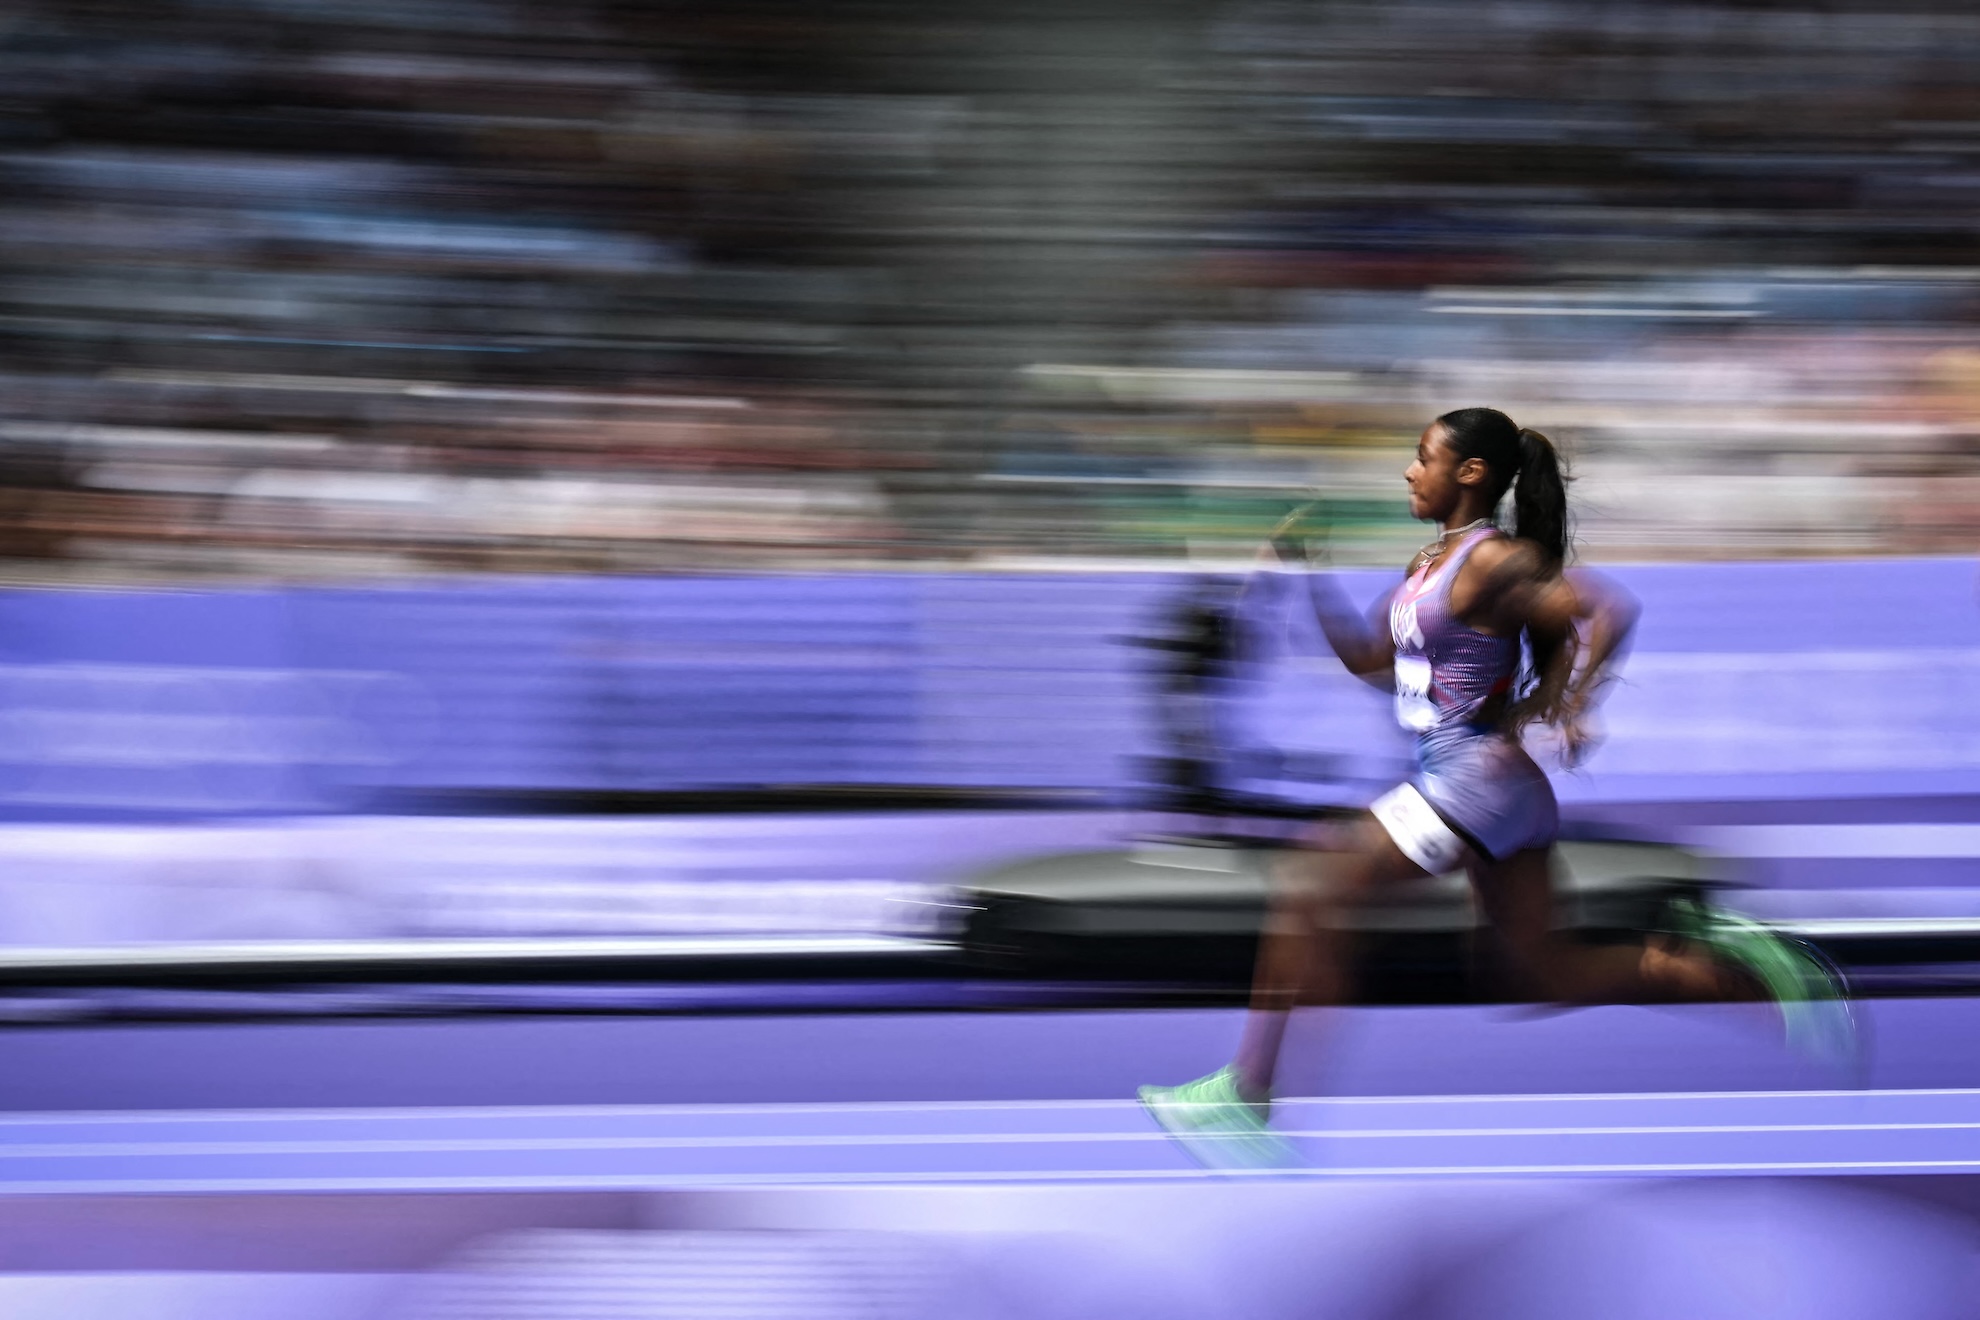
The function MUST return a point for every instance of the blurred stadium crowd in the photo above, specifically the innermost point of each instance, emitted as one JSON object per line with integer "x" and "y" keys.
{"x": 350, "y": 288}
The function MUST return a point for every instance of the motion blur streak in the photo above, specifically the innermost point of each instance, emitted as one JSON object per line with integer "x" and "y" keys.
{"x": 348, "y": 289}
{"x": 606, "y": 598}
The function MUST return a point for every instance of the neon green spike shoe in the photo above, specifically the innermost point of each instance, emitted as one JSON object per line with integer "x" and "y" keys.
{"x": 1218, "y": 1128}
{"x": 1805, "y": 986}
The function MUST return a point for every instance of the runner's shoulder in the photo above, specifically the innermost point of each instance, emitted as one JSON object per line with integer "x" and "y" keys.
{"x": 1507, "y": 553}
{"x": 1497, "y": 565}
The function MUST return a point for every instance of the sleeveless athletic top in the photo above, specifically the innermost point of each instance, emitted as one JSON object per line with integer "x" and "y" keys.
{"x": 1446, "y": 670}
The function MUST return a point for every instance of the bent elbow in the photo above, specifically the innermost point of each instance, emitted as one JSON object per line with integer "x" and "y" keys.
{"x": 1605, "y": 600}
{"x": 1380, "y": 673}
{"x": 1624, "y": 611}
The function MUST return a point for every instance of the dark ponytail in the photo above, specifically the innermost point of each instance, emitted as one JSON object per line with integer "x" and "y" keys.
{"x": 1540, "y": 497}
{"x": 1524, "y": 462}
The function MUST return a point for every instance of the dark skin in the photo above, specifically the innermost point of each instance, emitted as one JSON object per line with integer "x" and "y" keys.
{"x": 1506, "y": 586}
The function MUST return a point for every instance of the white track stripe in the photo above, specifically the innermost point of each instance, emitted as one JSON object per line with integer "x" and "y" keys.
{"x": 140, "y": 1150}
{"x": 800, "y": 1182}
{"x": 57, "y": 1116}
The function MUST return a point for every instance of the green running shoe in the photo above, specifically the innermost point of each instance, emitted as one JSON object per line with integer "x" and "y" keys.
{"x": 1805, "y": 986}
{"x": 1217, "y": 1127}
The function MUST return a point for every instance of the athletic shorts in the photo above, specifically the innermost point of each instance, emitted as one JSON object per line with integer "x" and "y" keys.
{"x": 1471, "y": 790}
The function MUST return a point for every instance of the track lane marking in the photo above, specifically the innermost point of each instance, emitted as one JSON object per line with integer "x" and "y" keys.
{"x": 634, "y": 1182}
{"x": 366, "y": 1114}
{"x": 455, "y": 1145}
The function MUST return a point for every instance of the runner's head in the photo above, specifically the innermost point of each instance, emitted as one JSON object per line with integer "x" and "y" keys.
{"x": 1489, "y": 451}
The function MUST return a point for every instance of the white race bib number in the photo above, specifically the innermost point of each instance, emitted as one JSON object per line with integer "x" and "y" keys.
{"x": 1414, "y": 709}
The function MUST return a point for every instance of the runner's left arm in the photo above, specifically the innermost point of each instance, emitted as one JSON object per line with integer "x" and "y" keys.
{"x": 1578, "y": 623}
{"x": 1361, "y": 641}
{"x": 1601, "y": 616}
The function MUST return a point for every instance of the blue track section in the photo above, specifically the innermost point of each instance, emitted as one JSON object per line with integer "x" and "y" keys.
{"x": 672, "y": 1147}
{"x": 989, "y": 1165}
{"x": 971, "y": 1095}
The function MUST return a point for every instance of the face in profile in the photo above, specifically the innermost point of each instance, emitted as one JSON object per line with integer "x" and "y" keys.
{"x": 1432, "y": 477}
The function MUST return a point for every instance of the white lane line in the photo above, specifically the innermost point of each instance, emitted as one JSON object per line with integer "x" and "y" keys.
{"x": 1647, "y": 1130}
{"x": 795, "y": 1181}
{"x": 1893, "y": 927}
{"x": 523, "y": 1144}
{"x": 1527, "y": 1097}
{"x": 55, "y": 1117}
{"x": 140, "y": 1150}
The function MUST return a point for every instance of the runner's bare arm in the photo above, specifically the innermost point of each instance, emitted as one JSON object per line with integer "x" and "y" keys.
{"x": 1362, "y": 642}
{"x": 1605, "y": 616}
{"x": 1508, "y": 586}
{"x": 1576, "y": 621}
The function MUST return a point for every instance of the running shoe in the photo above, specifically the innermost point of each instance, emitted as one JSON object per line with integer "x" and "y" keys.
{"x": 1217, "y": 1127}
{"x": 1809, "y": 991}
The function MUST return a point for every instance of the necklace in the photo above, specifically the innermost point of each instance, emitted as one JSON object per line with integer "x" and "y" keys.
{"x": 1431, "y": 549}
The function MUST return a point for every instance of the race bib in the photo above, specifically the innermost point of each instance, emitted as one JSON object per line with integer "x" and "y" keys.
{"x": 1414, "y": 709}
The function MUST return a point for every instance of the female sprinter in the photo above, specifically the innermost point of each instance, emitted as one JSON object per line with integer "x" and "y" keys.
{"x": 1447, "y": 641}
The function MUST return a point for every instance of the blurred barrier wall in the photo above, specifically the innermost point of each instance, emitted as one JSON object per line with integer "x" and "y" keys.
{"x": 325, "y": 700}
{"x": 1797, "y": 680}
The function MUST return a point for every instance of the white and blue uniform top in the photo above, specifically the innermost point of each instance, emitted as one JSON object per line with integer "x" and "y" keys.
{"x": 1475, "y": 786}
{"x": 1446, "y": 670}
